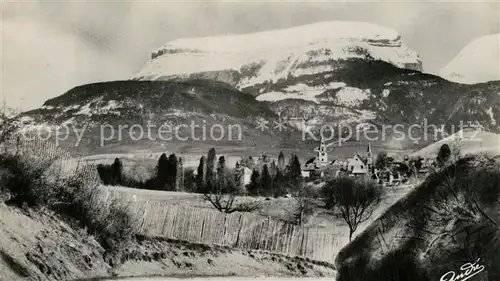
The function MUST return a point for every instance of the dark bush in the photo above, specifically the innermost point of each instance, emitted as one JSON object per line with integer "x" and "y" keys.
{"x": 111, "y": 174}
{"x": 26, "y": 183}
{"x": 74, "y": 198}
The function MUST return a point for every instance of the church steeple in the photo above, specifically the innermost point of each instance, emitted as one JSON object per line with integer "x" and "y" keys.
{"x": 321, "y": 154}
{"x": 369, "y": 155}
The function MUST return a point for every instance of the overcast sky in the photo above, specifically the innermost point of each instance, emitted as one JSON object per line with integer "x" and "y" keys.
{"x": 49, "y": 47}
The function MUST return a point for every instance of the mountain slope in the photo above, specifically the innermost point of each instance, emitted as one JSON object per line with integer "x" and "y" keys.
{"x": 478, "y": 62}
{"x": 153, "y": 113}
{"x": 338, "y": 78}
{"x": 379, "y": 94}
{"x": 129, "y": 100}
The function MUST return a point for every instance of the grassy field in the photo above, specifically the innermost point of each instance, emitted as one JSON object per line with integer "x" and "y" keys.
{"x": 278, "y": 208}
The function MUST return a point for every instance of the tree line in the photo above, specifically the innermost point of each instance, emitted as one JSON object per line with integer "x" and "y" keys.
{"x": 168, "y": 174}
{"x": 268, "y": 178}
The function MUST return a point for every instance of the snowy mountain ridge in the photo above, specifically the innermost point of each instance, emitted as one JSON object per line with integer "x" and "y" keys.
{"x": 250, "y": 60}
{"x": 290, "y": 37}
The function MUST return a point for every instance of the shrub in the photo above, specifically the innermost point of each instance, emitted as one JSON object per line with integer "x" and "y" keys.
{"x": 105, "y": 173}
{"x": 189, "y": 180}
{"x": 253, "y": 188}
{"x": 111, "y": 224}
{"x": 224, "y": 191}
{"x": 443, "y": 155}
{"x": 26, "y": 183}
{"x": 74, "y": 198}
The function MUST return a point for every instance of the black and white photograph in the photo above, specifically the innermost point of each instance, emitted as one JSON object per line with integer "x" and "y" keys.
{"x": 242, "y": 140}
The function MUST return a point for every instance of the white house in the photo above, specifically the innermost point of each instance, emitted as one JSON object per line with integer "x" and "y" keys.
{"x": 247, "y": 175}
{"x": 357, "y": 165}
{"x": 306, "y": 174}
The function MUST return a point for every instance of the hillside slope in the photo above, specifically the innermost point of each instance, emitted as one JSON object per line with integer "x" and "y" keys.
{"x": 477, "y": 62}
{"x": 469, "y": 142}
{"x": 37, "y": 245}
{"x": 152, "y": 114}
{"x": 449, "y": 220}
{"x": 382, "y": 95}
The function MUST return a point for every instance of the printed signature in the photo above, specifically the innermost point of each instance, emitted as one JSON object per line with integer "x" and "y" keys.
{"x": 468, "y": 270}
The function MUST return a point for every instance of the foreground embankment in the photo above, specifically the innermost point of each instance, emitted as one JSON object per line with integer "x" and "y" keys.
{"x": 35, "y": 244}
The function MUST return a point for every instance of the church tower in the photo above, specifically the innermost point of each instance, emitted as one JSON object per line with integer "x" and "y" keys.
{"x": 369, "y": 156}
{"x": 322, "y": 154}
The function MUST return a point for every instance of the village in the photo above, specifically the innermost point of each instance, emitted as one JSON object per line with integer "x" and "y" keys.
{"x": 383, "y": 169}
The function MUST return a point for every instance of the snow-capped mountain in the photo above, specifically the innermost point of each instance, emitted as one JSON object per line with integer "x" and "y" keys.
{"x": 257, "y": 60}
{"x": 478, "y": 62}
{"x": 314, "y": 64}
{"x": 333, "y": 74}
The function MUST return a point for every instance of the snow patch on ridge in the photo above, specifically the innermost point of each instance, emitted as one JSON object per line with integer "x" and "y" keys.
{"x": 346, "y": 96}
{"x": 352, "y": 95}
{"x": 491, "y": 115}
{"x": 300, "y": 91}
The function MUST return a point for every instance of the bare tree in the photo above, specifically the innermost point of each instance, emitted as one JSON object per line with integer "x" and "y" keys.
{"x": 226, "y": 203}
{"x": 355, "y": 199}
{"x": 223, "y": 195}
{"x": 304, "y": 206}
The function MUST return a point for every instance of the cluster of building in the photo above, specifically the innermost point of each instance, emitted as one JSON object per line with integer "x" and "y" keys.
{"x": 359, "y": 165}
{"x": 362, "y": 165}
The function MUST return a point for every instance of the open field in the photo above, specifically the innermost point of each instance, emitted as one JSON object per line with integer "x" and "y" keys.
{"x": 276, "y": 208}
{"x": 181, "y": 216}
